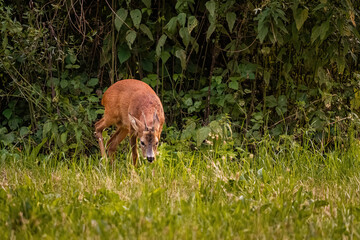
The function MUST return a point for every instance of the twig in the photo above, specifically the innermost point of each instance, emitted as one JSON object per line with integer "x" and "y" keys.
{"x": 118, "y": 15}
{"x": 237, "y": 51}
{"x": 339, "y": 120}
{"x": 290, "y": 116}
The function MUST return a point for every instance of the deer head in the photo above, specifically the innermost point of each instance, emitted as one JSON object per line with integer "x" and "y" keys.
{"x": 149, "y": 136}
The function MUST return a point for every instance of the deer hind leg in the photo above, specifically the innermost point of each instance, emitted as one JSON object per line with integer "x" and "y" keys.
{"x": 134, "y": 151}
{"x": 114, "y": 141}
{"x": 99, "y": 127}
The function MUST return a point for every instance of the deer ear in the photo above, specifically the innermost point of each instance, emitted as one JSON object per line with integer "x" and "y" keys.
{"x": 156, "y": 122}
{"x": 135, "y": 123}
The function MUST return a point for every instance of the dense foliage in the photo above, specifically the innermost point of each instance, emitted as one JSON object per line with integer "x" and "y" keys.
{"x": 279, "y": 67}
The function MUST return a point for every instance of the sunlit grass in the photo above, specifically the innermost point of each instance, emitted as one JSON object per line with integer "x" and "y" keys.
{"x": 282, "y": 191}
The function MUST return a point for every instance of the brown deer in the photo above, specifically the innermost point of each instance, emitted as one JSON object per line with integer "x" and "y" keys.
{"x": 136, "y": 110}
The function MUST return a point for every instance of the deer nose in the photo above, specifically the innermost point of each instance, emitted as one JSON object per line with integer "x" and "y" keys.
{"x": 150, "y": 159}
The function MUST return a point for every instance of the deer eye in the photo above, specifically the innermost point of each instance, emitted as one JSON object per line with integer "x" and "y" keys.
{"x": 157, "y": 143}
{"x": 142, "y": 143}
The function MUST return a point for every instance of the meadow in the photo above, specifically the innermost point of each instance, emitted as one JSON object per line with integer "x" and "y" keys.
{"x": 279, "y": 191}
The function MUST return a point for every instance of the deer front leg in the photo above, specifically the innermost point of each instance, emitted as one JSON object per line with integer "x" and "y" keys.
{"x": 99, "y": 127}
{"x": 134, "y": 151}
{"x": 114, "y": 141}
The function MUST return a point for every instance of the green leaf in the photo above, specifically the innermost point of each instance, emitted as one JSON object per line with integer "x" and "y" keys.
{"x": 63, "y": 137}
{"x": 72, "y": 58}
{"x": 120, "y": 18}
{"x": 230, "y": 18}
{"x": 192, "y": 23}
{"x": 147, "y": 31}
{"x": 36, "y": 150}
{"x": 234, "y": 85}
{"x": 130, "y": 37}
{"x": 262, "y": 32}
{"x": 182, "y": 19}
{"x": 24, "y": 131}
{"x": 340, "y": 62}
{"x": 188, "y": 102}
{"x": 123, "y": 54}
{"x": 70, "y": 66}
{"x": 188, "y": 131}
{"x": 237, "y": 78}
{"x": 7, "y": 113}
{"x": 202, "y": 134}
{"x": 147, "y": 65}
{"x": 151, "y": 79}
{"x": 230, "y": 98}
{"x": 282, "y": 101}
{"x": 281, "y": 105}
{"x": 15, "y": 122}
{"x": 8, "y": 138}
{"x": 210, "y": 31}
{"x": 270, "y": 101}
{"x": 171, "y": 25}
{"x": 147, "y": 3}
{"x": 5, "y": 41}
{"x": 91, "y": 114}
{"x": 251, "y": 76}
{"x": 160, "y": 44}
{"x": 317, "y": 123}
{"x": 248, "y": 70}
{"x": 258, "y": 116}
{"x": 277, "y": 131}
{"x": 53, "y": 81}
{"x": 216, "y": 127}
{"x": 92, "y": 82}
{"x": 197, "y": 104}
{"x": 100, "y": 111}
{"x": 217, "y": 79}
{"x": 64, "y": 83}
{"x": 322, "y": 77}
{"x": 300, "y": 16}
{"x": 354, "y": 31}
{"x": 191, "y": 109}
{"x": 320, "y": 31}
{"x": 210, "y": 6}
{"x": 267, "y": 77}
{"x": 315, "y": 33}
{"x": 324, "y": 29}
{"x": 181, "y": 54}
{"x": 93, "y": 99}
{"x": 165, "y": 55}
{"x": 3, "y": 130}
{"x": 136, "y": 17}
{"x": 47, "y": 127}
{"x": 184, "y": 34}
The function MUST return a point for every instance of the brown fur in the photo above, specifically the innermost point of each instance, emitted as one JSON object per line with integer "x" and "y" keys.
{"x": 138, "y": 99}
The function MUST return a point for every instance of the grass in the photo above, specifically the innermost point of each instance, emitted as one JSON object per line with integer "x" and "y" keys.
{"x": 282, "y": 191}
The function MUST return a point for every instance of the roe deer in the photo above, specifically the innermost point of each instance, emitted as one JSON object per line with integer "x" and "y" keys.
{"x": 135, "y": 109}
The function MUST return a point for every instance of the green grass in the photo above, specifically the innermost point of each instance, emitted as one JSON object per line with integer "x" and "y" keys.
{"x": 280, "y": 192}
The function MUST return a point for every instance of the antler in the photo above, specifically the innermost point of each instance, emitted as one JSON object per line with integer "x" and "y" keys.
{"x": 155, "y": 118}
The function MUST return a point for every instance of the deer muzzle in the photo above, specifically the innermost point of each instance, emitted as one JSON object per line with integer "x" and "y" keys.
{"x": 150, "y": 156}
